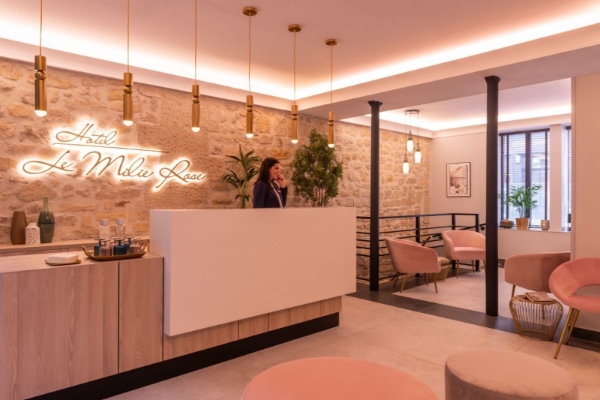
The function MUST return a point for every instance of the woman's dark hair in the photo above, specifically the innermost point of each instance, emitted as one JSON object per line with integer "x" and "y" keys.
{"x": 263, "y": 174}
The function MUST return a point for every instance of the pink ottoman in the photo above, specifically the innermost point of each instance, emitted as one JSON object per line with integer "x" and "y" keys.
{"x": 335, "y": 378}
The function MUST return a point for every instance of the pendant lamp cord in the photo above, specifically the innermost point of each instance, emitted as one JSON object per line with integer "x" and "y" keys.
{"x": 294, "y": 68}
{"x": 41, "y": 5}
{"x": 195, "y": 41}
{"x": 128, "y": 35}
{"x": 249, "y": 53}
{"x": 331, "y": 81}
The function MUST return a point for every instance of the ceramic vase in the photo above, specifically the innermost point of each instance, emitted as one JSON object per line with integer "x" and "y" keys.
{"x": 17, "y": 227}
{"x": 32, "y": 234}
{"x": 46, "y": 223}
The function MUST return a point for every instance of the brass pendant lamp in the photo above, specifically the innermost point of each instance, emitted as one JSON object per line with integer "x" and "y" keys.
{"x": 127, "y": 85}
{"x": 41, "y": 103}
{"x": 195, "y": 86}
{"x": 330, "y": 137}
{"x": 294, "y": 29}
{"x": 250, "y": 12}
{"x": 418, "y": 154}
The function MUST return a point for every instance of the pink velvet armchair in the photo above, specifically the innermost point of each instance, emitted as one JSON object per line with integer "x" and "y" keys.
{"x": 565, "y": 281}
{"x": 464, "y": 245}
{"x": 412, "y": 258}
{"x": 532, "y": 271}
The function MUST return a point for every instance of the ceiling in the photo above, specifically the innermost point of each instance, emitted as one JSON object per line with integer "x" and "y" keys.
{"x": 400, "y": 51}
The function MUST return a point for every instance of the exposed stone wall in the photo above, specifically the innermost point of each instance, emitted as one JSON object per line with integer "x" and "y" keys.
{"x": 162, "y": 121}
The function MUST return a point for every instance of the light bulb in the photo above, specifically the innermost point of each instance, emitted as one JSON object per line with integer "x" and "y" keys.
{"x": 195, "y": 129}
{"x": 41, "y": 113}
{"x": 127, "y": 122}
{"x": 249, "y": 135}
{"x": 410, "y": 145}
{"x": 331, "y": 145}
{"x": 418, "y": 156}
{"x": 294, "y": 141}
{"x": 405, "y": 167}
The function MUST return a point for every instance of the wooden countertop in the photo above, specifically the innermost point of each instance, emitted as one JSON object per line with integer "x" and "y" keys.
{"x": 34, "y": 262}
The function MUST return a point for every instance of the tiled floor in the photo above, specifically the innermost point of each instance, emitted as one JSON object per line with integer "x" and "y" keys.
{"x": 415, "y": 342}
{"x": 467, "y": 292}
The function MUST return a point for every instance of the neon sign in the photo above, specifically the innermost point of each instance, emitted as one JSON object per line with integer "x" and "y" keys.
{"x": 102, "y": 155}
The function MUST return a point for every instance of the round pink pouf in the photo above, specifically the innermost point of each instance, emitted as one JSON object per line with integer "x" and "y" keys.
{"x": 335, "y": 378}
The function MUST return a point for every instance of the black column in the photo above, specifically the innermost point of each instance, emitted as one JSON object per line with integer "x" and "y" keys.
{"x": 374, "y": 228}
{"x": 491, "y": 199}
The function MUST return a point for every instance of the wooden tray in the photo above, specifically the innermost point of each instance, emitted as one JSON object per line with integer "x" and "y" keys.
{"x": 111, "y": 258}
{"x": 60, "y": 264}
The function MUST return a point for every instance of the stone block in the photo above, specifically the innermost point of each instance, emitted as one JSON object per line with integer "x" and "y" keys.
{"x": 20, "y": 110}
{"x": 10, "y": 71}
{"x": 35, "y": 191}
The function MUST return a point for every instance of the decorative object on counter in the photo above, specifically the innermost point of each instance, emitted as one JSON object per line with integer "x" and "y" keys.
{"x": 120, "y": 228}
{"x": 97, "y": 247}
{"x": 316, "y": 171}
{"x": 545, "y": 224}
{"x": 46, "y": 223}
{"x": 135, "y": 248}
{"x": 32, "y": 234}
{"x": 17, "y": 227}
{"x": 111, "y": 257}
{"x": 507, "y": 223}
{"x": 106, "y": 250}
{"x": 104, "y": 230}
{"x": 119, "y": 249}
{"x": 56, "y": 260}
{"x": 521, "y": 198}
{"x": 128, "y": 244}
{"x": 248, "y": 163}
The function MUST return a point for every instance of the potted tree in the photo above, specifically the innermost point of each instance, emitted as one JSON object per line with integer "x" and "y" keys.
{"x": 316, "y": 171}
{"x": 247, "y": 163}
{"x": 521, "y": 198}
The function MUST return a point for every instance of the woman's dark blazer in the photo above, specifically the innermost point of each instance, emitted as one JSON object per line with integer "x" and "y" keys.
{"x": 265, "y": 197}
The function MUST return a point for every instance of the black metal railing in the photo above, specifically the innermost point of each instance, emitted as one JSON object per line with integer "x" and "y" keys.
{"x": 422, "y": 232}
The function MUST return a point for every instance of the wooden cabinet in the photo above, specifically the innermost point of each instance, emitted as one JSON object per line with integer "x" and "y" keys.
{"x": 58, "y": 328}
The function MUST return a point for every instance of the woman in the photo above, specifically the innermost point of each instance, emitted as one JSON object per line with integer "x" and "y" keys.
{"x": 269, "y": 190}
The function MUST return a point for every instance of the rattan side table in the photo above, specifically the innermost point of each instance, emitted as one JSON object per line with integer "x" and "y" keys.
{"x": 535, "y": 320}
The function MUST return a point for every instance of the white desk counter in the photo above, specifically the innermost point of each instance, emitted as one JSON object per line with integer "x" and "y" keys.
{"x": 229, "y": 265}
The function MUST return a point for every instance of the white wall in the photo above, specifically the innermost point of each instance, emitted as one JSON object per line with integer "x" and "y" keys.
{"x": 585, "y": 190}
{"x": 471, "y": 148}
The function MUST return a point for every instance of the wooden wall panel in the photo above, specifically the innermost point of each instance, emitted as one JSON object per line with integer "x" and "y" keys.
{"x": 176, "y": 346}
{"x": 66, "y": 328}
{"x": 253, "y": 326}
{"x": 294, "y": 315}
{"x": 141, "y": 312}
{"x": 331, "y": 306}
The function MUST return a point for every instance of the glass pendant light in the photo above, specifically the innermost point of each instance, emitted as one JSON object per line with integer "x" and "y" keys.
{"x": 418, "y": 154}
{"x": 294, "y": 29}
{"x": 330, "y": 137}
{"x": 410, "y": 144}
{"x": 405, "y": 165}
{"x": 195, "y": 86}
{"x": 127, "y": 85}
{"x": 41, "y": 103}
{"x": 250, "y": 12}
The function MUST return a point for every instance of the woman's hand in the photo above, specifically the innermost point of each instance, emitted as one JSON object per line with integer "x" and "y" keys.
{"x": 280, "y": 181}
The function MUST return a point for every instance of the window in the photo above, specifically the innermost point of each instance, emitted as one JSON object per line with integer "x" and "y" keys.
{"x": 524, "y": 161}
{"x": 566, "y": 179}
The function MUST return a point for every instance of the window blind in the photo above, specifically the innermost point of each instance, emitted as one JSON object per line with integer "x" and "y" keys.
{"x": 566, "y": 178}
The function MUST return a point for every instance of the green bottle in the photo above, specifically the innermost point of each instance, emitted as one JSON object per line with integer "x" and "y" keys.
{"x": 46, "y": 223}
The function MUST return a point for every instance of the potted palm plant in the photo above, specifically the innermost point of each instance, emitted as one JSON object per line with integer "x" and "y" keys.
{"x": 521, "y": 198}
{"x": 247, "y": 162}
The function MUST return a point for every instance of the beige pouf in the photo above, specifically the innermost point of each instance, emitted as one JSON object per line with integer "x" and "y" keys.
{"x": 324, "y": 378}
{"x": 497, "y": 374}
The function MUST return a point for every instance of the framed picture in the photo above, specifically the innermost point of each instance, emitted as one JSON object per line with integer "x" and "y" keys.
{"x": 458, "y": 180}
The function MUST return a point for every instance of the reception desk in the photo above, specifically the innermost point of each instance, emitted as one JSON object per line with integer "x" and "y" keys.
{"x": 256, "y": 269}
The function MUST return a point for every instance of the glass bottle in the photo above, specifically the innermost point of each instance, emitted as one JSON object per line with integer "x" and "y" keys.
{"x": 119, "y": 248}
{"x": 120, "y": 228}
{"x": 46, "y": 223}
{"x": 97, "y": 247}
{"x": 128, "y": 245}
{"x": 135, "y": 248}
{"x": 104, "y": 229}
{"x": 106, "y": 249}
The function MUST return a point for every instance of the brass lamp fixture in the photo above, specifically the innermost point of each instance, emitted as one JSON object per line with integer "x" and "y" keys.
{"x": 418, "y": 154}
{"x": 405, "y": 165}
{"x": 127, "y": 85}
{"x": 250, "y": 12}
{"x": 294, "y": 29}
{"x": 41, "y": 103}
{"x": 195, "y": 86}
{"x": 330, "y": 137}
{"x": 410, "y": 143}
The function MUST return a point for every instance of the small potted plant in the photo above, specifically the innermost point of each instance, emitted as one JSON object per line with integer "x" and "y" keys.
{"x": 521, "y": 198}
{"x": 248, "y": 164}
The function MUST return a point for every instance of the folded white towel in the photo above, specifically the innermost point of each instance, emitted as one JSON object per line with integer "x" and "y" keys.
{"x": 63, "y": 258}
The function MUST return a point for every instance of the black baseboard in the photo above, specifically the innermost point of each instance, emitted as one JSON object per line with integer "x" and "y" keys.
{"x": 137, "y": 378}
{"x": 586, "y": 334}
